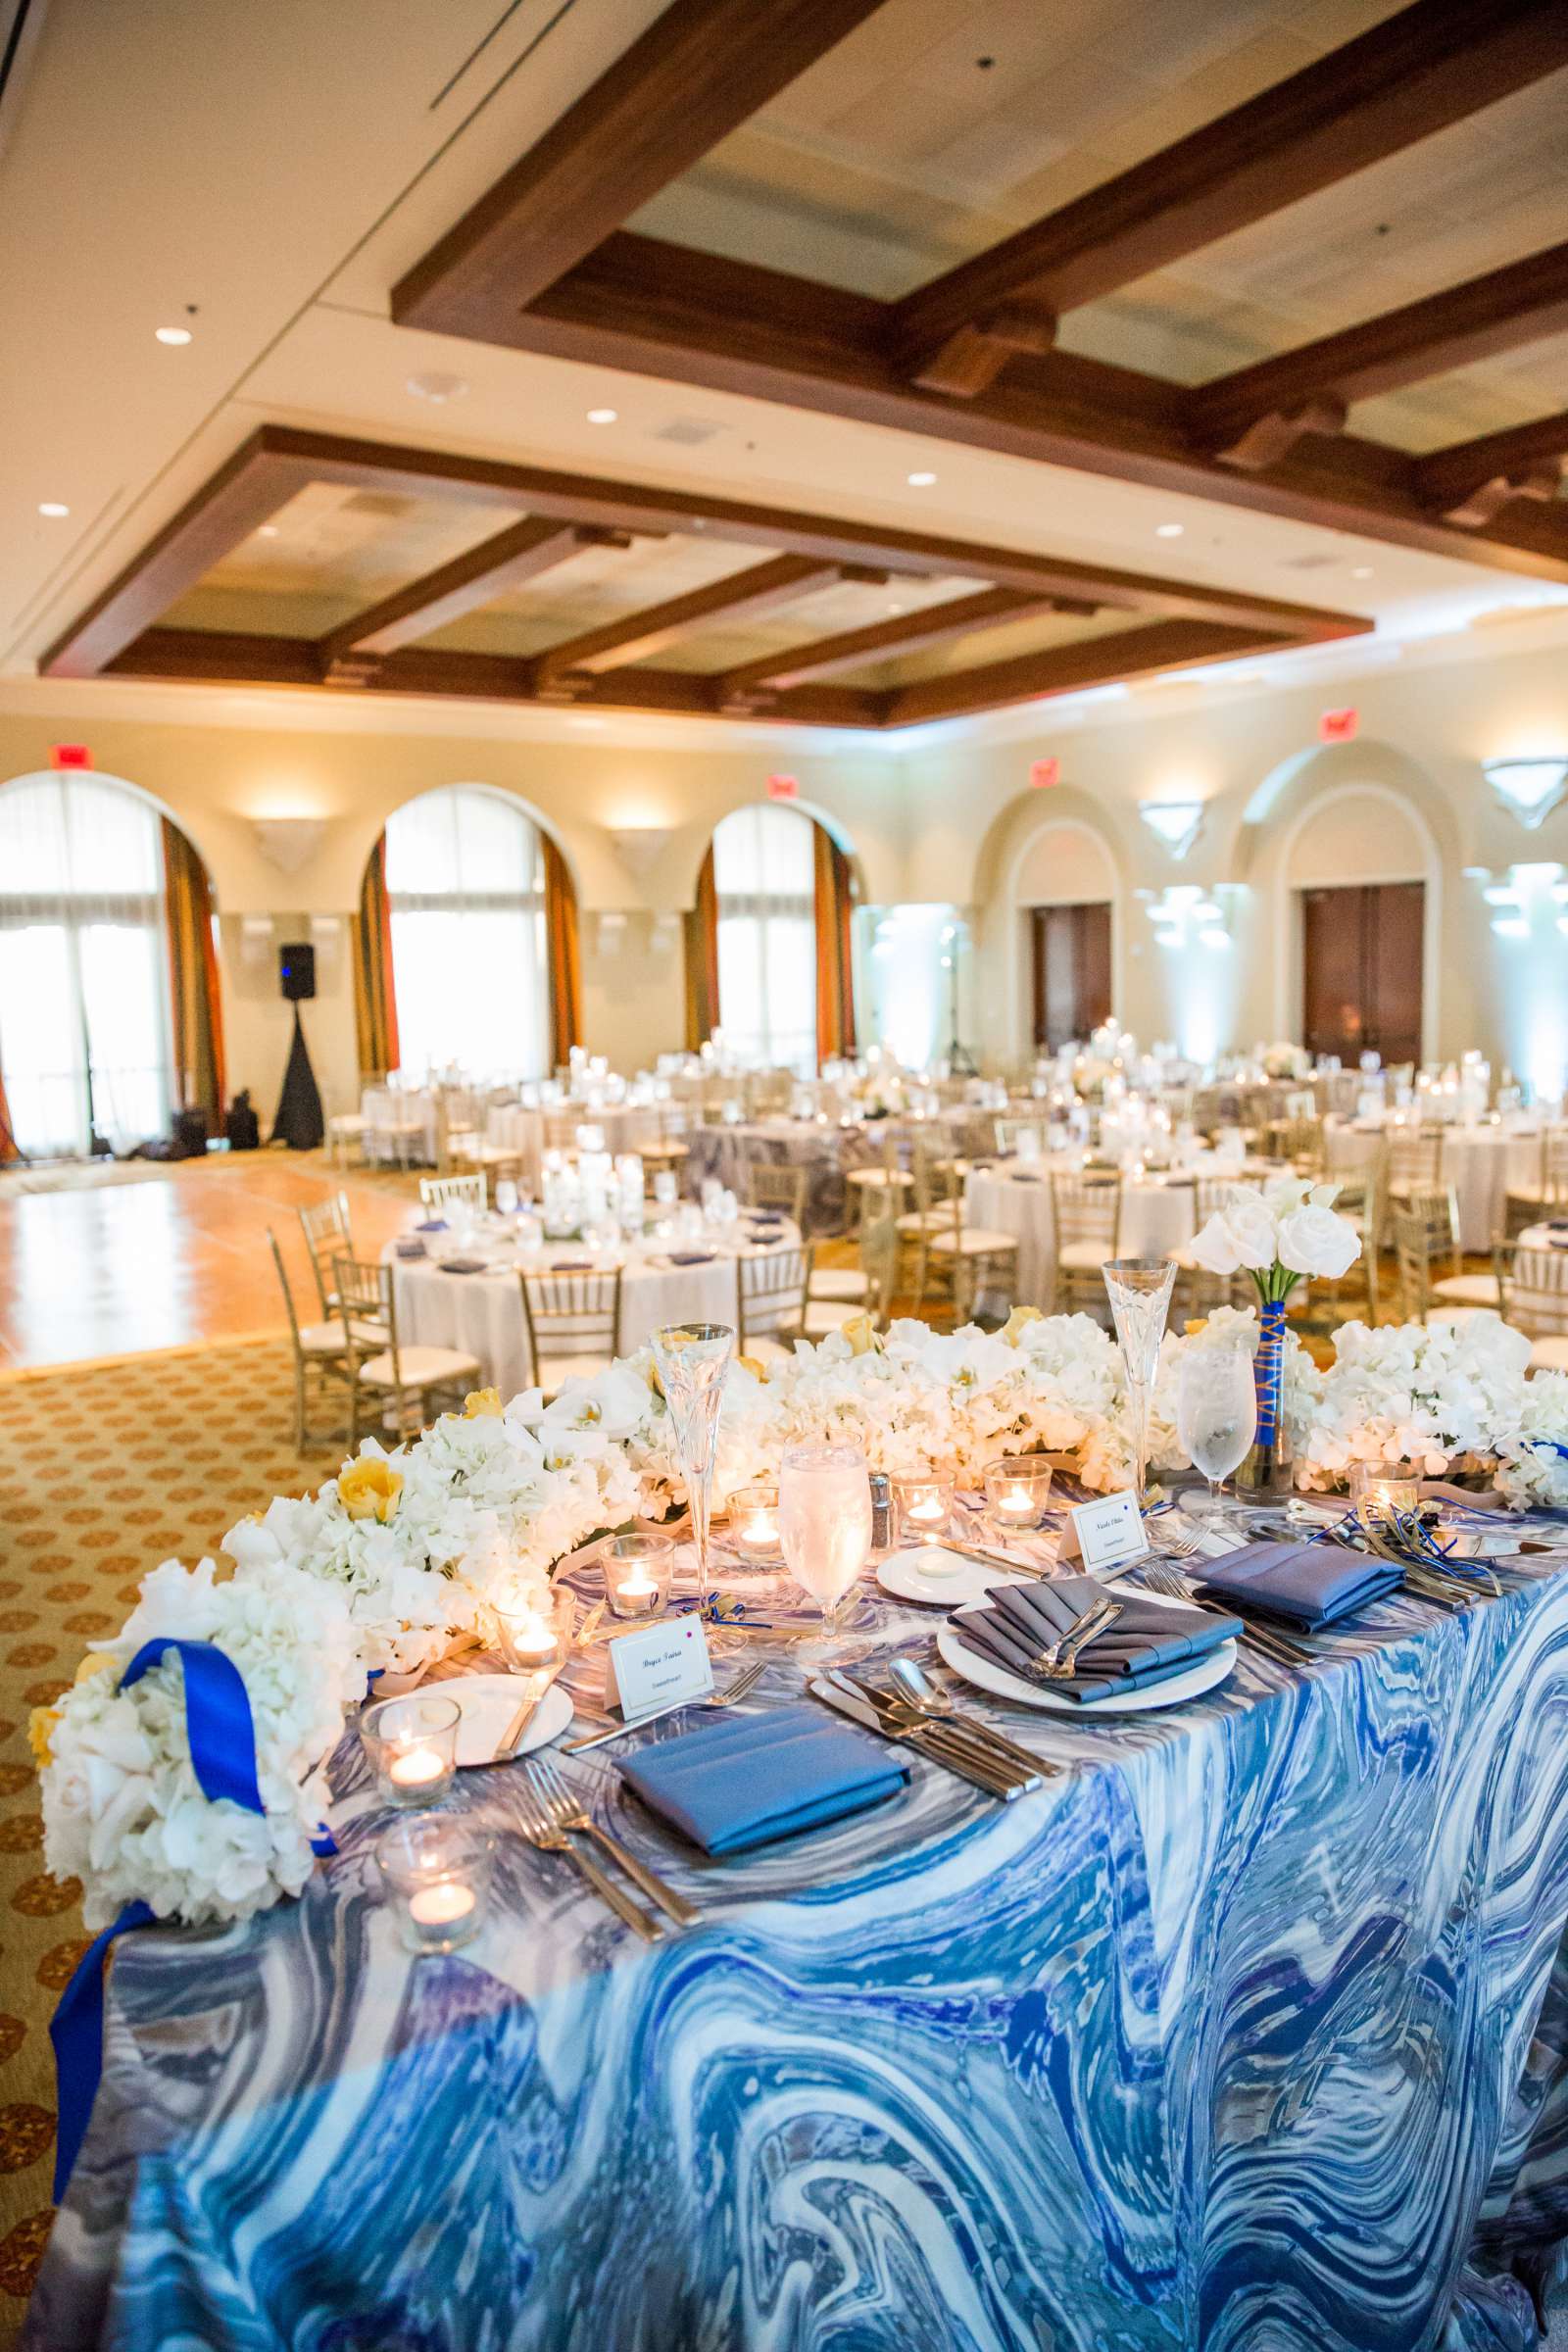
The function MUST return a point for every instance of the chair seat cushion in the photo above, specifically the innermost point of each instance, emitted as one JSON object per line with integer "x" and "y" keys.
{"x": 924, "y": 1221}
{"x": 838, "y": 1281}
{"x": 554, "y": 1371}
{"x": 1549, "y": 1355}
{"x": 420, "y": 1367}
{"x": 1466, "y": 1290}
{"x": 824, "y": 1317}
{"x": 1086, "y": 1256}
{"x": 975, "y": 1241}
{"x": 876, "y": 1176}
{"x": 326, "y": 1338}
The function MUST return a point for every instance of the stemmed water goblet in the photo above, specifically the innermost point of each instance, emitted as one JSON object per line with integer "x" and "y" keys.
{"x": 1216, "y": 1412}
{"x": 824, "y": 1513}
{"x": 691, "y": 1359}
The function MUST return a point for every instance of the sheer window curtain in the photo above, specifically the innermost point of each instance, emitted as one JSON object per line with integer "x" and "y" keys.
{"x": 764, "y": 876}
{"x": 466, "y": 885}
{"x": 86, "y": 1036}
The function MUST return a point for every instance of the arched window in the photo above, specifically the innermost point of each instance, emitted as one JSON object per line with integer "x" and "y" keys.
{"x": 85, "y": 1012}
{"x": 465, "y": 886}
{"x": 765, "y": 879}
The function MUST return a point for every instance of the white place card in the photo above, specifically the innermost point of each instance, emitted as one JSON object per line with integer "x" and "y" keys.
{"x": 658, "y": 1665}
{"x": 1110, "y": 1531}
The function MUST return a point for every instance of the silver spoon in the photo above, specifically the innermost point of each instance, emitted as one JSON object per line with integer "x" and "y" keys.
{"x": 918, "y": 1688}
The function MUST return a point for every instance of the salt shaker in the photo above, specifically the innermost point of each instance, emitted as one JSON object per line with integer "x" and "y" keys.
{"x": 881, "y": 1511}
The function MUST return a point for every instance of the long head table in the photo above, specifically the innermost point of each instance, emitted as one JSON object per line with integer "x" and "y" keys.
{"x": 1248, "y": 2031}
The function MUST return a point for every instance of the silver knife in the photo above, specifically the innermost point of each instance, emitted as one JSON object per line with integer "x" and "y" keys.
{"x": 861, "y": 1708}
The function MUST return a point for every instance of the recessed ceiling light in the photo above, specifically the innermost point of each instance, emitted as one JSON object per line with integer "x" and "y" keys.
{"x": 1170, "y": 530}
{"x": 53, "y": 508}
{"x": 1361, "y": 571}
{"x": 266, "y": 530}
{"x": 438, "y": 389}
{"x": 603, "y": 416}
{"x": 174, "y": 335}
{"x": 920, "y": 481}
{"x": 897, "y": 608}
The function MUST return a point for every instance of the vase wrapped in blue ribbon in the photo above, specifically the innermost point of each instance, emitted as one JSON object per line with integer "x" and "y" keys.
{"x": 1266, "y": 1464}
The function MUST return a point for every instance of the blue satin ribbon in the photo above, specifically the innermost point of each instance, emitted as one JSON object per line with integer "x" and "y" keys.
{"x": 222, "y": 1732}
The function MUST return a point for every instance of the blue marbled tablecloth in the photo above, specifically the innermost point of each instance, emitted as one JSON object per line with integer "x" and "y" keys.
{"x": 1248, "y": 2032}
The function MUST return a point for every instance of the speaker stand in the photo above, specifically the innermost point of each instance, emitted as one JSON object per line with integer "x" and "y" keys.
{"x": 299, "y": 1122}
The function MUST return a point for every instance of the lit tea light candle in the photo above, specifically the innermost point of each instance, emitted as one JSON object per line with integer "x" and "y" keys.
{"x": 925, "y": 1507}
{"x": 416, "y": 1768}
{"x": 1015, "y": 1495}
{"x": 440, "y": 1905}
{"x": 754, "y": 1521}
{"x": 637, "y": 1574}
{"x": 637, "y": 1595}
{"x": 533, "y": 1643}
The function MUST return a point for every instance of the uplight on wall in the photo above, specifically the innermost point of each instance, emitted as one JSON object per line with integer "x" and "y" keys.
{"x": 1530, "y": 788}
{"x": 1177, "y": 823}
{"x": 1199, "y": 984}
{"x": 1528, "y": 907}
{"x": 1184, "y": 913}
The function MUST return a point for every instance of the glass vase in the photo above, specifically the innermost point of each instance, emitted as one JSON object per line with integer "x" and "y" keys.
{"x": 1266, "y": 1467}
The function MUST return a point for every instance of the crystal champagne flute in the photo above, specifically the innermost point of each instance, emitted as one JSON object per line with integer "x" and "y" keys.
{"x": 691, "y": 1359}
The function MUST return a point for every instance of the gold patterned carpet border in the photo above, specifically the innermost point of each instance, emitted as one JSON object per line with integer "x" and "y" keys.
{"x": 105, "y": 1470}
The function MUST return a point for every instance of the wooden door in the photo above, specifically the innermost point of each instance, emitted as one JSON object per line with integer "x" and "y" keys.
{"x": 1361, "y": 970}
{"x": 1072, "y": 971}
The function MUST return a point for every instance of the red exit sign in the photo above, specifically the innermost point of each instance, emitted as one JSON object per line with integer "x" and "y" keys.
{"x": 783, "y": 788}
{"x": 1044, "y": 773}
{"x": 70, "y": 755}
{"x": 1338, "y": 726}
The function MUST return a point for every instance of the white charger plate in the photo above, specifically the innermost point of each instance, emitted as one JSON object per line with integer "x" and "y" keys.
{"x": 966, "y": 1581}
{"x": 488, "y": 1704}
{"x": 1208, "y": 1673}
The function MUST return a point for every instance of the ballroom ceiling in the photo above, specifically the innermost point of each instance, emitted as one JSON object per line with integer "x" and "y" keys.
{"x": 225, "y": 176}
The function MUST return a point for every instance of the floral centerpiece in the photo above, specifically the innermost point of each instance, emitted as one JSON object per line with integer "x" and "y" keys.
{"x": 1279, "y": 1236}
{"x": 1281, "y": 1061}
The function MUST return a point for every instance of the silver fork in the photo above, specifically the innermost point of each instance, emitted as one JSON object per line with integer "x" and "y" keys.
{"x": 568, "y": 1812}
{"x": 540, "y": 1830}
{"x": 1095, "y": 1619}
{"x": 1171, "y": 1585}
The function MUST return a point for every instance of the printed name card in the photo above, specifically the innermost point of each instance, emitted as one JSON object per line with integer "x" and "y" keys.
{"x": 658, "y": 1665}
{"x": 1110, "y": 1531}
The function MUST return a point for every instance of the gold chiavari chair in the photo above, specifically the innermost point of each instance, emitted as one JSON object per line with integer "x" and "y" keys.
{"x": 1356, "y": 1201}
{"x": 574, "y": 1319}
{"x": 1197, "y": 1290}
{"x": 1086, "y": 1215}
{"x": 400, "y": 1376}
{"x": 329, "y": 1237}
{"x": 438, "y": 1193}
{"x": 1299, "y": 1141}
{"x": 1412, "y": 1163}
{"x": 322, "y": 1349}
{"x": 870, "y": 1188}
{"x": 937, "y": 1184}
{"x": 766, "y": 1185}
{"x": 771, "y": 1287}
{"x": 1534, "y": 1288}
{"x": 1425, "y": 1234}
{"x": 971, "y": 1259}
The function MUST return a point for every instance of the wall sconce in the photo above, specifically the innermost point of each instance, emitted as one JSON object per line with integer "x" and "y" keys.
{"x": 640, "y": 847}
{"x": 1530, "y": 788}
{"x": 1183, "y": 912}
{"x": 288, "y": 842}
{"x": 1177, "y": 823}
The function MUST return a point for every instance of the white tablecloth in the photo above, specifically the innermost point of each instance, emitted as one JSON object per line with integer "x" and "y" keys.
{"x": 382, "y": 1108}
{"x": 1156, "y": 1218}
{"x": 1482, "y": 1163}
{"x": 482, "y": 1313}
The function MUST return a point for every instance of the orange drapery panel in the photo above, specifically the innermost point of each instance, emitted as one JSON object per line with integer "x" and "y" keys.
{"x": 835, "y": 969}
{"x": 565, "y": 955}
{"x": 701, "y": 927}
{"x": 198, "y": 1014}
{"x": 375, "y": 1003}
{"x": 8, "y": 1142}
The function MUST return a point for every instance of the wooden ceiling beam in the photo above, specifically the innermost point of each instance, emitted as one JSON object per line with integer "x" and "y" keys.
{"x": 1431, "y": 65}
{"x": 507, "y": 560}
{"x": 1471, "y": 482}
{"x": 1495, "y": 312}
{"x": 638, "y": 636}
{"x": 899, "y": 634}
{"x": 1160, "y": 646}
{"x": 654, "y": 309}
{"x": 699, "y": 72}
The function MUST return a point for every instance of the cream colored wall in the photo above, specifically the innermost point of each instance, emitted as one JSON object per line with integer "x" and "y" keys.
{"x": 948, "y": 821}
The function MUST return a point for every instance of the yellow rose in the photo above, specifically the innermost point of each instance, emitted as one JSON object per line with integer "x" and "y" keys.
{"x": 753, "y": 1365}
{"x": 41, "y": 1723}
{"x": 1015, "y": 1322}
{"x": 1196, "y": 1324}
{"x": 369, "y": 1490}
{"x": 860, "y": 1333}
{"x": 482, "y": 1403}
{"x": 96, "y": 1661}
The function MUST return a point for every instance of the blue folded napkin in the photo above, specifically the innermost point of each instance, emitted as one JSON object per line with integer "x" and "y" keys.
{"x": 1310, "y": 1584}
{"x": 1022, "y": 1176}
{"x": 433, "y": 1225}
{"x": 463, "y": 1266}
{"x": 1148, "y": 1642}
{"x": 571, "y": 1265}
{"x": 732, "y": 1785}
{"x": 691, "y": 1257}
{"x": 410, "y": 1249}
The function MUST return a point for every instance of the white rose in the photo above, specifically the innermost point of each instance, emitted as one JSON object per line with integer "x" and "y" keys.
{"x": 1241, "y": 1233}
{"x": 1314, "y": 1241}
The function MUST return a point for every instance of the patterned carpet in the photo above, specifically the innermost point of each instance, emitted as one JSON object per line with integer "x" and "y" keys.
{"x": 105, "y": 1470}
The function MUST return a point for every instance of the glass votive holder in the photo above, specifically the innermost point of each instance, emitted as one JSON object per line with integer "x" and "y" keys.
{"x": 637, "y": 1570}
{"x": 754, "y": 1522}
{"x": 534, "y": 1630}
{"x": 925, "y": 1507}
{"x": 1016, "y": 1493}
{"x": 411, "y": 1744}
{"x": 1385, "y": 1489}
{"x": 437, "y": 1873}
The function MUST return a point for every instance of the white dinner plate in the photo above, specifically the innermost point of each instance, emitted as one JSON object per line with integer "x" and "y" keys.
{"x": 489, "y": 1701}
{"x": 908, "y": 1576}
{"x": 1206, "y": 1675}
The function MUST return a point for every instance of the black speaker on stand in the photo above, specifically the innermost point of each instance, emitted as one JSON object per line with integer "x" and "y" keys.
{"x": 299, "y": 1122}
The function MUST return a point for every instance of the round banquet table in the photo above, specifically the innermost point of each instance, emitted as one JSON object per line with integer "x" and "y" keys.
{"x": 826, "y": 1149}
{"x": 482, "y": 1313}
{"x": 1157, "y": 1216}
{"x": 385, "y": 1109}
{"x": 1482, "y": 1163}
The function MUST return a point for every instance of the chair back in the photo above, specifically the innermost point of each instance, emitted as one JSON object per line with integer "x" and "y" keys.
{"x": 1533, "y": 1287}
{"x": 452, "y": 1192}
{"x": 767, "y": 1185}
{"x": 879, "y": 1258}
{"x": 770, "y": 1287}
{"x": 936, "y": 1180}
{"x": 1355, "y": 1197}
{"x": 328, "y": 1236}
{"x": 572, "y": 1312}
{"x": 1211, "y": 1193}
{"x": 1416, "y": 1160}
{"x": 1425, "y": 1225}
{"x": 1520, "y": 1210}
{"x": 1086, "y": 1209}
{"x": 1299, "y": 1139}
{"x": 365, "y": 1294}
{"x": 286, "y": 1288}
